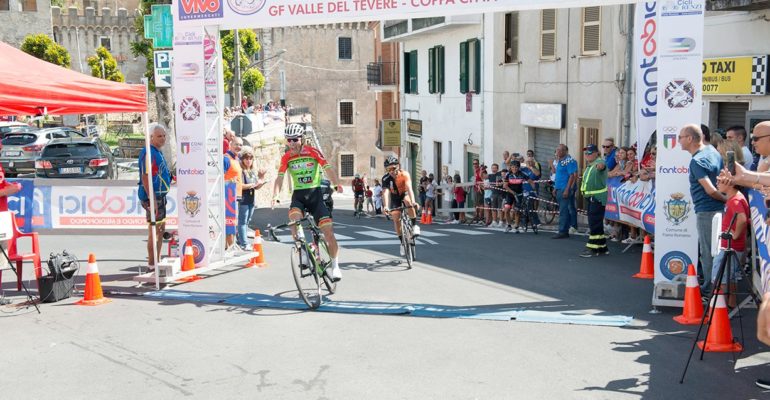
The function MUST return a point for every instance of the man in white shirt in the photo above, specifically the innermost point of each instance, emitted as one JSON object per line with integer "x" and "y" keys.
{"x": 738, "y": 134}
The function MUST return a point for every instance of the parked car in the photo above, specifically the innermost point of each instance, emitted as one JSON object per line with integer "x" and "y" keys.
{"x": 20, "y": 149}
{"x": 13, "y": 126}
{"x": 84, "y": 158}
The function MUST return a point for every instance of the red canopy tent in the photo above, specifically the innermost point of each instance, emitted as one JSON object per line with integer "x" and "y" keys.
{"x": 29, "y": 85}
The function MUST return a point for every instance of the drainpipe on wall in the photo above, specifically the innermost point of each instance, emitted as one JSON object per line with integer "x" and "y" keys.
{"x": 628, "y": 87}
{"x": 483, "y": 92}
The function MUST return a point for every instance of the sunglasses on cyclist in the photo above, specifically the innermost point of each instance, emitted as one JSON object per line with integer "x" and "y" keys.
{"x": 390, "y": 169}
{"x": 292, "y": 140}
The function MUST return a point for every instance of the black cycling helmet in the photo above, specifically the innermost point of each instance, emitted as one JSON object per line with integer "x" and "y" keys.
{"x": 391, "y": 160}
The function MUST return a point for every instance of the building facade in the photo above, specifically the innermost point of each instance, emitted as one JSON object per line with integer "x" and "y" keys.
{"x": 736, "y": 65}
{"x": 324, "y": 70}
{"x": 515, "y": 81}
{"x": 82, "y": 32}
{"x": 19, "y": 18}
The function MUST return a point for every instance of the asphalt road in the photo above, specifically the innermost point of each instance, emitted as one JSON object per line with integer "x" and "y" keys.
{"x": 143, "y": 347}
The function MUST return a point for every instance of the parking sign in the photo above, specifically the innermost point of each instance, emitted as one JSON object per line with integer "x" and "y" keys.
{"x": 162, "y": 68}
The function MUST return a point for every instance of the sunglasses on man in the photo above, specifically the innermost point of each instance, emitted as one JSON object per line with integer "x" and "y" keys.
{"x": 292, "y": 140}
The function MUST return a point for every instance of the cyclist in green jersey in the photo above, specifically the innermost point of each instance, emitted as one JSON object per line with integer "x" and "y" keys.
{"x": 306, "y": 165}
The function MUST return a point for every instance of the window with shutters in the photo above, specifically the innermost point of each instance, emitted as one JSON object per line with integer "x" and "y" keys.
{"x": 436, "y": 69}
{"x": 28, "y": 5}
{"x": 591, "y": 31}
{"x": 548, "y": 34}
{"x": 347, "y": 165}
{"x": 470, "y": 66}
{"x": 5, "y": 5}
{"x": 511, "y": 50}
{"x": 410, "y": 72}
{"x": 345, "y": 109}
{"x": 345, "y": 48}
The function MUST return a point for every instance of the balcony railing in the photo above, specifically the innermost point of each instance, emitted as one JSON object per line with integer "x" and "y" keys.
{"x": 381, "y": 74}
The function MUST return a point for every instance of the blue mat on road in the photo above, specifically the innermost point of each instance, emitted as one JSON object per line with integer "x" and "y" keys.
{"x": 379, "y": 308}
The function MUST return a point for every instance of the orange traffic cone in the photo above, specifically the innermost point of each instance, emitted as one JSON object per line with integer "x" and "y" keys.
{"x": 93, "y": 295}
{"x": 423, "y": 217}
{"x": 429, "y": 217}
{"x": 259, "y": 260}
{"x": 720, "y": 335}
{"x": 188, "y": 263}
{"x": 693, "y": 305}
{"x": 646, "y": 269}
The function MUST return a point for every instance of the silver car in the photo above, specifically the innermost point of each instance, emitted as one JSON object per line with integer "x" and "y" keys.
{"x": 21, "y": 149}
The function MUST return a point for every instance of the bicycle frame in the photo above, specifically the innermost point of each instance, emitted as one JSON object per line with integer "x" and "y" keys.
{"x": 301, "y": 242}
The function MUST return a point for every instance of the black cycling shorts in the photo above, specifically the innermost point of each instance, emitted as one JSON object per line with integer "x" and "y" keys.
{"x": 160, "y": 209}
{"x": 311, "y": 200}
{"x": 396, "y": 200}
{"x": 359, "y": 194}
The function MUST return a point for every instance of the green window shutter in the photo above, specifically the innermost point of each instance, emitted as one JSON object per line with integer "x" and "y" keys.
{"x": 406, "y": 73}
{"x": 432, "y": 70}
{"x": 412, "y": 72}
{"x": 440, "y": 57}
{"x": 477, "y": 64}
{"x": 463, "y": 67}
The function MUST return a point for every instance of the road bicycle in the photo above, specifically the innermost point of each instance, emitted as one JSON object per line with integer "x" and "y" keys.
{"x": 549, "y": 206}
{"x": 310, "y": 261}
{"x": 528, "y": 214}
{"x": 407, "y": 235}
{"x": 359, "y": 205}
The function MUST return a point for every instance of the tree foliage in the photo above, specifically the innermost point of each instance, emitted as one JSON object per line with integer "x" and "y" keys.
{"x": 251, "y": 81}
{"x": 110, "y": 69}
{"x": 43, "y": 47}
{"x": 249, "y": 46}
{"x": 144, "y": 48}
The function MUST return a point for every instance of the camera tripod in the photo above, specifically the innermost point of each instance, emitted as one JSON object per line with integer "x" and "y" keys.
{"x": 10, "y": 263}
{"x": 726, "y": 267}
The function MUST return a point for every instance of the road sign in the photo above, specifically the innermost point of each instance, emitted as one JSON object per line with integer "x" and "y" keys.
{"x": 159, "y": 26}
{"x": 163, "y": 68}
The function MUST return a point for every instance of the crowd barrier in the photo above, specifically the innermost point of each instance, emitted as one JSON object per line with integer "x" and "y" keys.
{"x": 82, "y": 204}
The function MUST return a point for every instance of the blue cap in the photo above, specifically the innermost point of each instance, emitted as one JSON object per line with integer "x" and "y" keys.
{"x": 590, "y": 149}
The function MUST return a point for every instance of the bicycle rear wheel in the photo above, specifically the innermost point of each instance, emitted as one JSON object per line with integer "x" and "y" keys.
{"x": 548, "y": 210}
{"x": 303, "y": 270}
{"x": 325, "y": 259}
{"x": 406, "y": 242}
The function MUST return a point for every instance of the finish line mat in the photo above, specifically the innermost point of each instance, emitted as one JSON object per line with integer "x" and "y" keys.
{"x": 376, "y": 308}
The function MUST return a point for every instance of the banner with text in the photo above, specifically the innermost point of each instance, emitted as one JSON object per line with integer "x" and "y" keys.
{"x": 229, "y": 14}
{"x": 646, "y": 57}
{"x": 760, "y": 223}
{"x": 679, "y": 74}
{"x": 632, "y": 203}
{"x": 190, "y": 107}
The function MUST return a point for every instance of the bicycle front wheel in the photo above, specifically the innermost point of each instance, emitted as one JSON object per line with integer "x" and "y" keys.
{"x": 305, "y": 276}
{"x": 406, "y": 243}
{"x": 548, "y": 210}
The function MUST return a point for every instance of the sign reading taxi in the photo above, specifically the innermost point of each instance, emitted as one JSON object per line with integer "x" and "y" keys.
{"x": 735, "y": 75}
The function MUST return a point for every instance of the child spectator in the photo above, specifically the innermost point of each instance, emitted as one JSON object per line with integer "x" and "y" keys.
{"x": 369, "y": 203}
{"x": 459, "y": 195}
{"x": 736, "y": 206}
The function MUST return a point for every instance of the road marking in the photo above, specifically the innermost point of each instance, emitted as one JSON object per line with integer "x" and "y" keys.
{"x": 369, "y": 242}
{"x": 431, "y": 234}
{"x": 465, "y": 232}
{"x": 377, "y": 234}
{"x": 342, "y": 237}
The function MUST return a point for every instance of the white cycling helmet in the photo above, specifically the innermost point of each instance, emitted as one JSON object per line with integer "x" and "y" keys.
{"x": 391, "y": 160}
{"x": 294, "y": 131}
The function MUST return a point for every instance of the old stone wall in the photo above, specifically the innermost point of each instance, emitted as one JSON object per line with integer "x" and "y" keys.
{"x": 16, "y": 24}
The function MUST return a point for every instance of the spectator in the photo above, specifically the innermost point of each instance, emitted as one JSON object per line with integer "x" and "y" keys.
{"x": 632, "y": 165}
{"x": 448, "y": 197}
{"x": 594, "y": 189}
{"x": 735, "y": 147}
{"x": 620, "y": 163}
{"x": 233, "y": 173}
{"x": 609, "y": 150}
{"x": 459, "y": 196}
{"x": 506, "y": 158}
{"x": 161, "y": 181}
{"x": 478, "y": 192}
{"x": 736, "y": 206}
{"x": 250, "y": 109}
{"x": 534, "y": 165}
{"x": 716, "y": 139}
{"x": 423, "y": 183}
{"x": 377, "y": 194}
{"x": 430, "y": 194}
{"x": 705, "y": 165}
{"x": 762, "y": 147}
{"x": 252, "y": 181}
{"x": 369, "y": 202}
{"x": 244, "y": 104}
{"x": 706, "y": 134}
{"x": 564, "y": 187}
{"x": 738, "y": 134}
{"x": 494, "y": 184}
{"x": 228, "y": 136}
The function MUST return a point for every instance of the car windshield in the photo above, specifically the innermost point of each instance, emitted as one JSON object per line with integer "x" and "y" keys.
{"x": 19, "y": 139}
{"x": 73, "y": 150}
